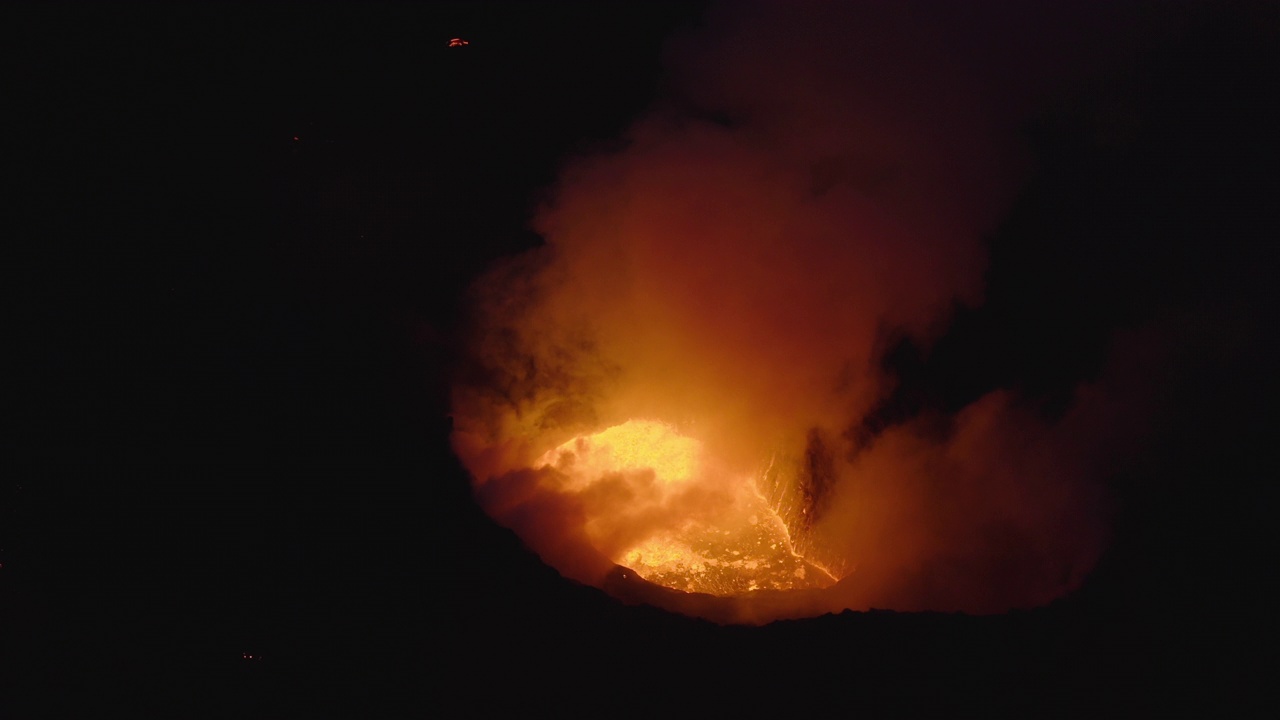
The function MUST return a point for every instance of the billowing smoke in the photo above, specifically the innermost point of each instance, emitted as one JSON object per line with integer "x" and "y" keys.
{"x": 822, "y": 178}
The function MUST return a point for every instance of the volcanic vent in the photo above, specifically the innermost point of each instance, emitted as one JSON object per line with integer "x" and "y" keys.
{"x": 677, "y": 380}
{"x": 735, "y": 541}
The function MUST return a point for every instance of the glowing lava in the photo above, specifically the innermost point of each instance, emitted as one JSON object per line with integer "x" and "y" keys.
{"x": 657, "y": 503}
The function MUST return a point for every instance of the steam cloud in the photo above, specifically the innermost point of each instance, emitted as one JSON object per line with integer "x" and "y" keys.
{"x": 823, "y": 179}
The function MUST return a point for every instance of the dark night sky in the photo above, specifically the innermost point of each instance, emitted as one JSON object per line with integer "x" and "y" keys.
{"x": 232, "y": 348}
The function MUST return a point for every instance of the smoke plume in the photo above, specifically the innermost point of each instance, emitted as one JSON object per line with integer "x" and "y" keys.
{"x": 821, "y": 178}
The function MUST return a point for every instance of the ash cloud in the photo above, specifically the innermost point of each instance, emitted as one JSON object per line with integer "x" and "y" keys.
{"x": 821, "y": 176}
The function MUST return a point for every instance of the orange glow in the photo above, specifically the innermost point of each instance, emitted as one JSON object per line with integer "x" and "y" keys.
{"x": 688, "y": 378}
{"x": 735, "y": 545}
{"x": 633, "y": 445}
{"x": 458, "y": 42}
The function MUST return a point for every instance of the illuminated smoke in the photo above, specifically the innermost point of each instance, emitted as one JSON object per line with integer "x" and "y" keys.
{"x": 721, "y": 288}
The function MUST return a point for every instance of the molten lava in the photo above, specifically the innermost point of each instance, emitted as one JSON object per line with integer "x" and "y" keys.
{"x": 703, "y": 527}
